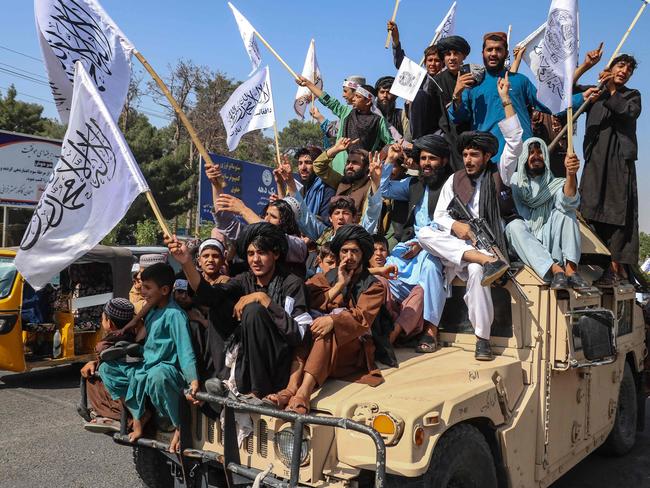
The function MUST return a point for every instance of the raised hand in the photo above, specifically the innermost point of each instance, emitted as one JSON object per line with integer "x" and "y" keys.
{"x": 572, "y": 164}
{"x": 394, "y": 31}
{"x": 395, "y": 152}
{"x": 229, "y": 203}
{"x": 213, "y": 172}
{"x": 178, "y": 249}
{"x": 593, "y": 57}
{"x": 503, "y": 87}
{"x": 463, "y": 82}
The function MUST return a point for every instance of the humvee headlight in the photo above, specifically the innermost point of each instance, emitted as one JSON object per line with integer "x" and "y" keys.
{"x": 284, "y": 445}
{"x": 389, "y": 426}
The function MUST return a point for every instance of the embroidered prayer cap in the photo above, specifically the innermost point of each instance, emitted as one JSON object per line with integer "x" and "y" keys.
{"x": 295, "y": 206}
{"x": 149, "y": 259}
{"x": 485, "y": 141}
{"x": 180, "y": 285}
{"x": 120, "y": 311}
{"x": 213, "y": 243}
{"x": 432, "y": 143}
{"x": 272, "y": 234}
{"x": 503, "y": 37}
{"x": 384, "y": 82}
{"x": 453, "y": 43}
{"x": 353, "y": 232}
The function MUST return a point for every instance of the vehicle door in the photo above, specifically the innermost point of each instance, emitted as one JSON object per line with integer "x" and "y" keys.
{"x": 12, "y": 357}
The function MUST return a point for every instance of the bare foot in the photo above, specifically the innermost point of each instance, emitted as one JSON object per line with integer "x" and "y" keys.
{"x": 175, "y": 443}
{"x": 136, "y": 433}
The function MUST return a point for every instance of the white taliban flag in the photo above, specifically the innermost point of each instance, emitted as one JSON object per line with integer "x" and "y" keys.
{"x": 80, "y": 30}
{"x": 448, "y": 25}
{"x": 559, "y": 55}
{"x": 533, "y": 44}
{"x": 250, "y": 107}
{"x": 247, "y": 32}
{"x": 93, "y": 185}
{"x": 408, "y": 80}
{"x": 311, "y": 71}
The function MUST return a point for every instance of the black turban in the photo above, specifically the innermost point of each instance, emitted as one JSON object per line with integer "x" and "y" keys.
{"x": 482, "y": 140}
{"x": 453, "y": 43}
{"x": 353, "y": 232}
{"x": 277, "y": 238}
{"x": 432, "y": 143}
{"x": 384, "y": 82}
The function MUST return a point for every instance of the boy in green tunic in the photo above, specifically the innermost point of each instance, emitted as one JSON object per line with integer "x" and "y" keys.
{"x": 169, "y": 363}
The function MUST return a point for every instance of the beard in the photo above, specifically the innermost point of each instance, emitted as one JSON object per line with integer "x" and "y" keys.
{"x": 386, "y": 107}
{"x": 499, "y": 67}
{"x": 354, "y": 177}
{"x": 307, "y": 182}
{"x": 535, "y": 172}
{"x": 434, "y": 180}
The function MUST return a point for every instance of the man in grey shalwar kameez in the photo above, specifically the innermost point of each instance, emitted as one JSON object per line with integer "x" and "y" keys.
{"x": 547, "y": 206}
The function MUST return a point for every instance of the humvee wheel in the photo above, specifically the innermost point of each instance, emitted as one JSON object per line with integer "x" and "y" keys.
{"x": 623, "y": 435}
{"x": 152, "y": 468}
{"x": 462, "y": 459}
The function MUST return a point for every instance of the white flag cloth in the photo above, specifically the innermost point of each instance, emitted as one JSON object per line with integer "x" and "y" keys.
{"x": 247, "y": 32}
{"x": 93, "y": 185}
{"x": 80, "y": 30}
{"x": 448, "y": 25}
{"x": 533, "y": 44}
{"x": 250, "y": 107}
{"x": 311, "y": 71}
{"x": 408, "y": 80}
{"x": 559, "y": 56}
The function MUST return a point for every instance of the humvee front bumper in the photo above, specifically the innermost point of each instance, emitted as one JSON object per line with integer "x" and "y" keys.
{"x": 194, "y": 463}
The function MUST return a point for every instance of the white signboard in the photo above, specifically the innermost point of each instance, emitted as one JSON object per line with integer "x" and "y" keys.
{"x": 25, "y": 167}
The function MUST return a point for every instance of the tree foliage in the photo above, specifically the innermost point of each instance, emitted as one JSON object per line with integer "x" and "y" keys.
{"x": 644, "y": 246}
{"x": 299, "y": 134}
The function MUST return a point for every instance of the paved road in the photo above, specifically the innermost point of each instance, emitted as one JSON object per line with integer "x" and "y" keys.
{"x": 42, "y": 444}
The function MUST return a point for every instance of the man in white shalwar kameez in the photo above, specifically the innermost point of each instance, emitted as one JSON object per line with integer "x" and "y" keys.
{"x": 450, "y": 240}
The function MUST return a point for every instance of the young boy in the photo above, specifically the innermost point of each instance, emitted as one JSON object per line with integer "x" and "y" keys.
{"x": 169, "y": 363}
{"x": 104, "y": 396}
{"x": 326, "y": 259}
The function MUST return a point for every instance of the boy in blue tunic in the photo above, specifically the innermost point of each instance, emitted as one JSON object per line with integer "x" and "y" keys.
{"x": 169, "y": 364}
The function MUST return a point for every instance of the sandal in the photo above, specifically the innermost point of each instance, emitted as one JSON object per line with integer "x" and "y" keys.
{"x": 279, "y": 400}
{"x": 427, "y": 344}
{"x": 102, "y": 425}
{"x": 298, "y": 405}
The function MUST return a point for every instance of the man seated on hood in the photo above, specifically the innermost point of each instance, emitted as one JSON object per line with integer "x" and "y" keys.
{"x": 548, "y": 208}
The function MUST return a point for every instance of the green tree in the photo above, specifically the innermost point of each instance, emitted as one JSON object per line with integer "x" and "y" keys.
{"x": 20, "y": 116}
{"x": 644, "y": 246}
{"x": 147, "y": 233}
{"x": 299, "y": 134}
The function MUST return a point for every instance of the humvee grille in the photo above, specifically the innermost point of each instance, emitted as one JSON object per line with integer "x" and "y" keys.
{"x": 249, "y": 444}
{"x": 210, "y": 431}
{"x": 263, "y": 438}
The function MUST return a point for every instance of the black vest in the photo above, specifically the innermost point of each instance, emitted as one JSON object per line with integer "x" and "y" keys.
{"x": 464, "y": 188}
{"x": 416, "y": 192}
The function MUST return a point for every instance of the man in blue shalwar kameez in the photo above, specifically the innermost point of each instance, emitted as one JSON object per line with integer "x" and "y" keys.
{"x": 416, "y": 267}
{"x": 481, "y": 104}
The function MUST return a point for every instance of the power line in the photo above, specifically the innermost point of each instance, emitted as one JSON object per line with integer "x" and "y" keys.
{"x": 22, "y": 54}
{"x": 35, "y": 75}
{"x": 23, "y": 77}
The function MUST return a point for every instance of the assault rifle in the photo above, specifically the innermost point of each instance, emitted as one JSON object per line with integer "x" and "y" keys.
{"x": 482, "y": 237}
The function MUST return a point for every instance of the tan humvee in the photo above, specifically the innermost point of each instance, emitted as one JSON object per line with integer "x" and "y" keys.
{"x": 566, "y": 379}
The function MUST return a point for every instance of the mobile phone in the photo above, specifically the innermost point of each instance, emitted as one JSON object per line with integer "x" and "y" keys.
{"x": 465, "y": 69}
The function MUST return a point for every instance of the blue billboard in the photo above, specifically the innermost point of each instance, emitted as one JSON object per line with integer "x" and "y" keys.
{"x": 250, "y": 182}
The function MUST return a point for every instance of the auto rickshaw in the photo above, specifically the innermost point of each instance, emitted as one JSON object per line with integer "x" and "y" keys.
{"x": 61, "y": 323}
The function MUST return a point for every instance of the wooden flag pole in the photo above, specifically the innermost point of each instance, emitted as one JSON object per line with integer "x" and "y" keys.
{"x": 277, "y": 56}
{"x": 277, "y": 140}
{"x": 583, "y": 107}
{"x": 569, "y": 124}
{"x": 392, "y": 20}
{"x": 157, "y": 213}
{"x": 179, "y": 111}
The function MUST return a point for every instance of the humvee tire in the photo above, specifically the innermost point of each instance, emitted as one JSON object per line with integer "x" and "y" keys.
{"x": 462, "y": 459}
{"x": 152, "y": 468}
{"x": 623, "y": 435}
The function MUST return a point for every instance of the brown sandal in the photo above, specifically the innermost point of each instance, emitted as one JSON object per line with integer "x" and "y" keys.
{"x": 298, "y": 405}
{"x": 280, "y": 399}
{"x": 427, "y": 344}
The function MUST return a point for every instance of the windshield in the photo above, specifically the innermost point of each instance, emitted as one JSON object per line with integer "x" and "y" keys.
{"x": 7, "y": 276}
